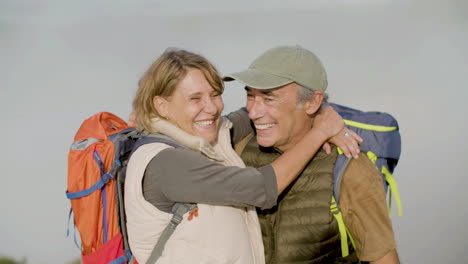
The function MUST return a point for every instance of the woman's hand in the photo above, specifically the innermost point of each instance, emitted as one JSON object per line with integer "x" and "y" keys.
{"x": 328, "y": 122}
{"x": 347, "y": 140}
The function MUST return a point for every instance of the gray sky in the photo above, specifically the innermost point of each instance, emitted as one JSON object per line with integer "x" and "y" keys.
{"x": 61, "y": 61}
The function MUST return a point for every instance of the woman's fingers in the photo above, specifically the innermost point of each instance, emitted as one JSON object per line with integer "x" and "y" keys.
{"x": 348, "y": 141}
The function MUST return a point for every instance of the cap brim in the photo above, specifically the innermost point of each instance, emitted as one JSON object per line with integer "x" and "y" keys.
{"x": 257, "y": 79}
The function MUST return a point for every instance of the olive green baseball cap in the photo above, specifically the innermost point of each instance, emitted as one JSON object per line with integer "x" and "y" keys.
{"x": 283, "y": 65}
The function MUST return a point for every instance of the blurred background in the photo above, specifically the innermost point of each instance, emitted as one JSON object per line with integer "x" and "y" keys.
{"x": 62, "y": 61}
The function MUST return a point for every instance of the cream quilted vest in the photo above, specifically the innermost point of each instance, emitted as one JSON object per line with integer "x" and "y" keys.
{"x": 220, "y": 234}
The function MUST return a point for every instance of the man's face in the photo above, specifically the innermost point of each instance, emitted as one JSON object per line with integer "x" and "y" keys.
{"x": 279, "y": 122}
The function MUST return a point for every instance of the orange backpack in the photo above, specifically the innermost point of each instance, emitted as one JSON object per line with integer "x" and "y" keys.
{"x": 100, "y": 149}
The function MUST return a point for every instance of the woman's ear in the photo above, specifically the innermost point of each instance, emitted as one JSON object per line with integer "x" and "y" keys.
{"x": 162, "y": 106}
{"x": 312, "y": 105}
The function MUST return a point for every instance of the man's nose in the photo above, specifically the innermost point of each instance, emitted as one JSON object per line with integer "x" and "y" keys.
{"x": 256, "y": 109}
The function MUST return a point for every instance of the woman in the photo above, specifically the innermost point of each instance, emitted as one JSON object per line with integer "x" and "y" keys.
{"x": 180, "y": 97}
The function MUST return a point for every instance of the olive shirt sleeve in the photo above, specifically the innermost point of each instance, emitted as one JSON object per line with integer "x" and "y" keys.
{"x": 241, "y": 126}
{"x": 364, "y": 208}
{"x": 182, "y": 175}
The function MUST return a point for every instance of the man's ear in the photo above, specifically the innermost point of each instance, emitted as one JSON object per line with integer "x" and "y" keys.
{"x": 162, "y": 106}
{"x": 312, "y": 105}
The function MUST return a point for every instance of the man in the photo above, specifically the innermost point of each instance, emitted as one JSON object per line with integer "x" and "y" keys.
{"x": 285, "y": 89}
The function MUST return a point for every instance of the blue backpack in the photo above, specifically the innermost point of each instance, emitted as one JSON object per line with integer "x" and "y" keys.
{"x": 382, "y": 145}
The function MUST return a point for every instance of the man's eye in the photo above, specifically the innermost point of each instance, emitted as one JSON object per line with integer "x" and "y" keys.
{"x": 195, "y": 98}
{"x": 268, "y": 99}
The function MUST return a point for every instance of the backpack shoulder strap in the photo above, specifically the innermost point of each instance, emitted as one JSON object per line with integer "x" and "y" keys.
{"x": 178, "y": 210}
{"x": 344, "y": 232}
{"x": 156, "y": 138}
{"x": 341, "y": 164}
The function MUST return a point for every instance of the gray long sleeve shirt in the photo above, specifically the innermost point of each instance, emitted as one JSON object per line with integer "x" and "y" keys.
{"x": 183, "y": 175}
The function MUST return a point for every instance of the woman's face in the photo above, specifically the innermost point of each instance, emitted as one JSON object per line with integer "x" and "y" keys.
{"x": 195, "y": 106}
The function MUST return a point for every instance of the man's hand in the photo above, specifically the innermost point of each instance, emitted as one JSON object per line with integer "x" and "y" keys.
{"x": 347, "y": 140}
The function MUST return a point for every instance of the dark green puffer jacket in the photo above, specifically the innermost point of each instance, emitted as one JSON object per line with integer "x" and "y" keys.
{"x": 300, "y": 229}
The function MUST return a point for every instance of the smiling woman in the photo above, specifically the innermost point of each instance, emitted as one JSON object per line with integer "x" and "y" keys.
{"x": 179, "y": 101}
{"x": 195, "y": 106}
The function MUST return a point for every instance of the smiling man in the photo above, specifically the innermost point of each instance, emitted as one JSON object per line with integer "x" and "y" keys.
{"x": 285, "y": 89}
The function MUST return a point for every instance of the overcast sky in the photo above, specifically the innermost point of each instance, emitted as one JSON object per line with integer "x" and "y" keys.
{"x": 61, "y": 61}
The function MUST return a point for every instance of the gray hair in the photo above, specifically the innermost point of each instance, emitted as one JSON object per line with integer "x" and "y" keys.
{"x": 304, "y": 94}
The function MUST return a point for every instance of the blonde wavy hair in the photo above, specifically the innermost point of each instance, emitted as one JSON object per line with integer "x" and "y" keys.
{"x": 162, "y": 78}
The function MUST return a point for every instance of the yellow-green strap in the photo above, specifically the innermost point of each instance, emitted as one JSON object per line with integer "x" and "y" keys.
{"x": 340, "y": 152}
{"x": 391, "y": 184}
{"x": 369, "y": 127}
{"x": 341, "y": 226}
{"x": 351, "y": 238}
{"x": 371, "y": 155}
{"x": 393, "y": 189}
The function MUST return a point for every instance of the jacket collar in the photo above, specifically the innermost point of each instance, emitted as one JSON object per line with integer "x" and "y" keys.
{"x": 190, "y": 141}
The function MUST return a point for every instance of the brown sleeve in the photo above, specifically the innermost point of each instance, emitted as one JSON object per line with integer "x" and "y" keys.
{"x": 364, "y": 208}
